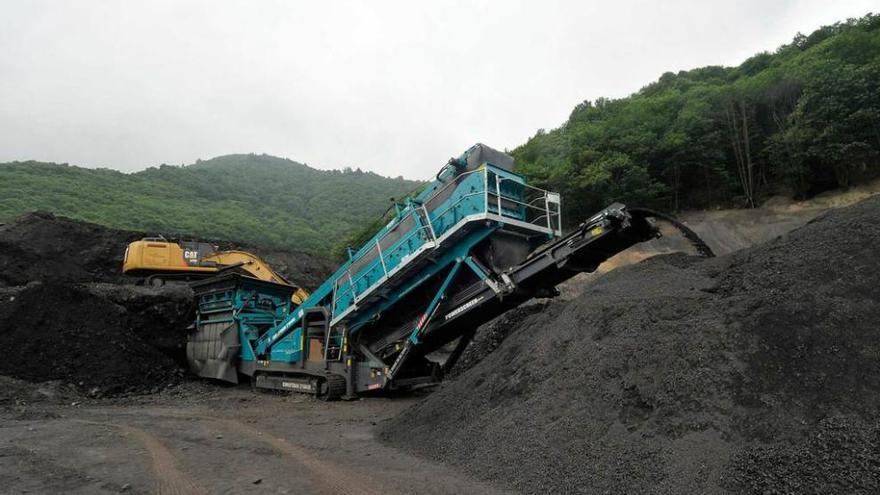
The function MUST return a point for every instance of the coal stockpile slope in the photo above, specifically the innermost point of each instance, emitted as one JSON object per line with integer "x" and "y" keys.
{"x": 754, "y": 372}
{"x": 159, "y": 317}
{"x": 492, "y": 334}
{"x": 42, "y": 246}
{"x": 63, "y": 332}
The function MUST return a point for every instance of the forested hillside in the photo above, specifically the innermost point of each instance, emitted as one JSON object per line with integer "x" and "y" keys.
{"x": 258, "y": 199}
{"x": 797, "y": 121}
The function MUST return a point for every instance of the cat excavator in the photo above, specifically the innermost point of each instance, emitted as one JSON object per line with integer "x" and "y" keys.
{"x": 158, "y": 261}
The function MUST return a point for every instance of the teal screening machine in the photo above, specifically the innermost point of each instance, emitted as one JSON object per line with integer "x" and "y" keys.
{"x": 476, "y": 242}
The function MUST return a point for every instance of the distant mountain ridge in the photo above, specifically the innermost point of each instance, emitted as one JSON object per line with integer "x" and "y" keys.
{"x": 258, "y": 199}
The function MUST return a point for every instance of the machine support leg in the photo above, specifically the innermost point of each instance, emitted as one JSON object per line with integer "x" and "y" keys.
{"x": 476, "y": 268}
{"x": 304, "y": 346}
{"x": 349, "y": 369}
{"x": 481, "y": 272}
{"x": 429, "y": 313}
{"x": 424, "y": 321}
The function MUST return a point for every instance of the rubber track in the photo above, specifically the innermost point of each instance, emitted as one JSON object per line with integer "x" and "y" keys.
{"x": 691, "y": 236}
{"x": 335, "y": 388}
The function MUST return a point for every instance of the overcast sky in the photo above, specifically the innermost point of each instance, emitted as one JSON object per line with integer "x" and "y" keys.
{"x": 395, "y": 87}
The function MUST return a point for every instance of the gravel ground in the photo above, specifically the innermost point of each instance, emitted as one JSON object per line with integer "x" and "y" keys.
{"x": 752, "y": 372}
{"x": 201, "y": 438}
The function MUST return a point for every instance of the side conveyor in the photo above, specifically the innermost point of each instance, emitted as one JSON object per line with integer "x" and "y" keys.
{"x": 602, "y": 236}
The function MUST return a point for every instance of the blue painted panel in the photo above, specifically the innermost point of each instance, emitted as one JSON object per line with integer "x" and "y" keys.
{"x": 289, "y": 348}
{"x": 468, "y": 198}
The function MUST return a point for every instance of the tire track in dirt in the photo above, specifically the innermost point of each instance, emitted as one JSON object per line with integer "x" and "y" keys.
{"x": 333, "y": 478}
{"x": 326, "y": 477}
{"x": 168, "y": 479}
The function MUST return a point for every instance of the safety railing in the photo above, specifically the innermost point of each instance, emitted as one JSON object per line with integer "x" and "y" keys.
{"x": 531, "y": 205}
{"x": 442, "y": 213}
{"x": 383, "y": 258}
{"x": 484, "y": 193}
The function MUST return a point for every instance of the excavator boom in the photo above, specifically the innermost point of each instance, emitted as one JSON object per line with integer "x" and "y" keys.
{"x": 255, "y": 267}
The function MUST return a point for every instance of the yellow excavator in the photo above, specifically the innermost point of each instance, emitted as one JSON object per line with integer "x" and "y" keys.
{"x": 159, "y": 261}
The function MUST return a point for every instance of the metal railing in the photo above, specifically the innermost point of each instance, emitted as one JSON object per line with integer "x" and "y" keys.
{"x": 513, "y": 202}
{"x": 548, "y": 211}
{"x": 390, "y": 259}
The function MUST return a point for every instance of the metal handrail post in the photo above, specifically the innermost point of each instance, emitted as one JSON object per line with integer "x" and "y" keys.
{"x": 498, "y": 193}
{"x": 333, "y": 303}
{"x": 486, "y": 188}
{"x": 559, "y": 215}
{"x": 430, "y": 224}
{"x": 547, "y": 209}
{"x": 381, "y": 259}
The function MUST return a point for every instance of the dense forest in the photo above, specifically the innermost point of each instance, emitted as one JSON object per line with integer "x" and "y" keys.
{"x": 800, "y": 120}
{"x": 258, "y": 199}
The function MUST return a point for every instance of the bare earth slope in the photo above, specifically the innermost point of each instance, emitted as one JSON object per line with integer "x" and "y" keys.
{"x": 750, "y": 372}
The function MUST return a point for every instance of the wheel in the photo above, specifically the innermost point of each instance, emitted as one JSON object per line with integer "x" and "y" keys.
{"x": 156, "y": 282}
{"x": 332, "y": 388}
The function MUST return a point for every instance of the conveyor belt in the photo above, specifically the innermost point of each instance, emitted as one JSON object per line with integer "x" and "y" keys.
{"x": 466, "y": 307}
{"x": 604, "y": 235}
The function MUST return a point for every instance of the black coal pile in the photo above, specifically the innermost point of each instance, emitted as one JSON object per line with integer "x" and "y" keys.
{"x": 64, "y": 332}
{"x": 159, "y": 317}
{"x": 41, "y": 246}
{"x": 67, "y": 314}
{"x": 492, "y": 334}
{"x": 756, "y": 372}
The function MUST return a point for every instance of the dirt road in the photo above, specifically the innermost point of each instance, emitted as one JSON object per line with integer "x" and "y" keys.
{"x": 202, "y": 438}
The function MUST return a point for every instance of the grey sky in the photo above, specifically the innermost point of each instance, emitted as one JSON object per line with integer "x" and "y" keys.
{"x": 390, "y": 86}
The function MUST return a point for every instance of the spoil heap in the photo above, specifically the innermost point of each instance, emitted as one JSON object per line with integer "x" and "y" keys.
{"x": 42, "y": 246}
{"x": 491, "y": 335}
{"x": 756, "y": 371}
{"x": 63, "y": 332}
